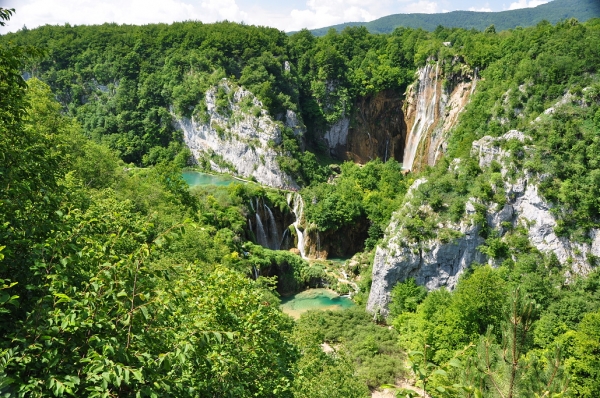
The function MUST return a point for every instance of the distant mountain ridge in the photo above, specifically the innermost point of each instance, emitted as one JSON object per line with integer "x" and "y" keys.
{"x": 553, "y": 12}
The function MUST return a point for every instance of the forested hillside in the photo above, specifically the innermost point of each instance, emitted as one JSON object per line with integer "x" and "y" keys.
{"x": 553, "y": 12}
{"x": 117, "y": 279}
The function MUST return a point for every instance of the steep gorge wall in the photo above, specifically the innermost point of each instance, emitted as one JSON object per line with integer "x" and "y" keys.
{"x": 412, "y": 129}
{"x": 376, "y": 129}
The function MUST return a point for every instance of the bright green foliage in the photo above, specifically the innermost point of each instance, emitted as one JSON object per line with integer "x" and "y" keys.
{"x": 293, "y": 273}
{"x": 372, "y": 349}
{"x": 373, "y": 191}
{"x": 118, "y": 281}
{"x": 112, "y": 300}
{"x": 585, "y": 364}
{"x": 569, "y": 150}
{"x": 546, "y": 336}
{"x": 405, "y": 297}
{"x": 324, "y": 375}
{"x": 119, "y": 81}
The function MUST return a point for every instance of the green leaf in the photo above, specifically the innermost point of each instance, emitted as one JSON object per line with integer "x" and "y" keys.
{"x": 62, "y": 298}
{"x": 440, "y": 372}
{"x": 144, "y": 312}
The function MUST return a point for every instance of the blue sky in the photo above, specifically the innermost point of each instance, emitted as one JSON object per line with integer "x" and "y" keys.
{"x": 286, "y": 15}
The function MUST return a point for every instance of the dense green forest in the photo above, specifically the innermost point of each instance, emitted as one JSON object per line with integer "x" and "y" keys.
{"x": 553, "y": 12}
{"x": 119, "y": 280}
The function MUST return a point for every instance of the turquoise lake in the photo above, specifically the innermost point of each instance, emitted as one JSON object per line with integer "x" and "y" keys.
{"x": 314, "y": 299}
{"x": 195, "y": 178}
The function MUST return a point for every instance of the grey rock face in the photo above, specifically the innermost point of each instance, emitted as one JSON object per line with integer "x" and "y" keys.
{"x": 432, "y": 264}
{"x": 438, "y": 263}
{"x": 337, "y": 135}
{"x": 530, "y": 209}
{"x": 238, "y": 140}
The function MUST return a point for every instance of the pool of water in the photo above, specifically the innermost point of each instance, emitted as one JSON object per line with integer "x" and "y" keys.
{"x": 195, "y": 178}
{"x": 314, "y": 299}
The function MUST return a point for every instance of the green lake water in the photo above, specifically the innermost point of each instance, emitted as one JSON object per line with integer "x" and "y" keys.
{"x": 194, "y": 178}
{"x": 314, "y": 299}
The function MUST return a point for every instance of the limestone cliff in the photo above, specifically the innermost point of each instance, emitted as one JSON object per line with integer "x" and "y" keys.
{"x": 376, "y": 129}
{"x": 235, "y": 134}
{"x": 440, "y": 260}
{"x": 431, "y": 110}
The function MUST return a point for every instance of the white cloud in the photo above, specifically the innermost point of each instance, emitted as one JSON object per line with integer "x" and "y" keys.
{"x": 485, "y": 8}
{"x": 319, "y": 13}
{"x": 526, "y": 4}
{"x": 78, "y": 12}
{"x": 288, "y": 16}
{"x": 315, "y": 13}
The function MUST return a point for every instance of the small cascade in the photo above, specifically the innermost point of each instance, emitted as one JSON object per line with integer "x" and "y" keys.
{"x": 298, "y": 210}
{"x": 261, "y": 236}
{"x": 285, "y": 232}
{"x": 273, "y": 235}
{"x": 318, "y": 244}
{"x": 427, "y": 102}
{"x": 474, "y": 83}
{"x": 387, "y": 144}
{"x": 255, "y": 272}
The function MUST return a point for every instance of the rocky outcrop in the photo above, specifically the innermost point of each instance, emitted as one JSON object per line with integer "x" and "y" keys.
{"x": 439, "y": 261}
{"x": 376, "y": 129}
{"x": 336, "y": 138}
{"x": 239, "y": 137}
{"x": 432, "y": 263}
{"x": 527, "y": 207}
{"x": 432, "y": 106}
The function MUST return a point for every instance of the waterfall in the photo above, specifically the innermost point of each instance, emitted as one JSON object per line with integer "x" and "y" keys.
{"x": 387, "y": 143}
{"x": 255, "y": 272}
{"x": 425, "y": 113}
{"x": 318, "y": 244}
{"x": 298, "y": 211}
{"x": 261, "y": 237}
{"x": 474, "y": 83}
{"x": 283, "y": 238}
{"x": 272, "y": 229}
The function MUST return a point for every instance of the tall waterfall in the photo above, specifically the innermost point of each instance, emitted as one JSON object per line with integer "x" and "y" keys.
{"x": 261, "y": 236}
{"x": 427, "y": 102}
{"x": 298, "y": 210}
{"x": 273, "y": 235}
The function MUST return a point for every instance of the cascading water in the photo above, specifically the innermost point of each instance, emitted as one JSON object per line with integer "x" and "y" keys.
{"x": 298, "y": 210}
{"x": 474, "y": 84}
{"x": 285, "y": 233}
{"x": 267, "y": 234}
{"x": 273, "y": 235}
{"x": 425, "y": 112}
{"x": 261, "y": 236}
{"x": 318, "y": 244}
